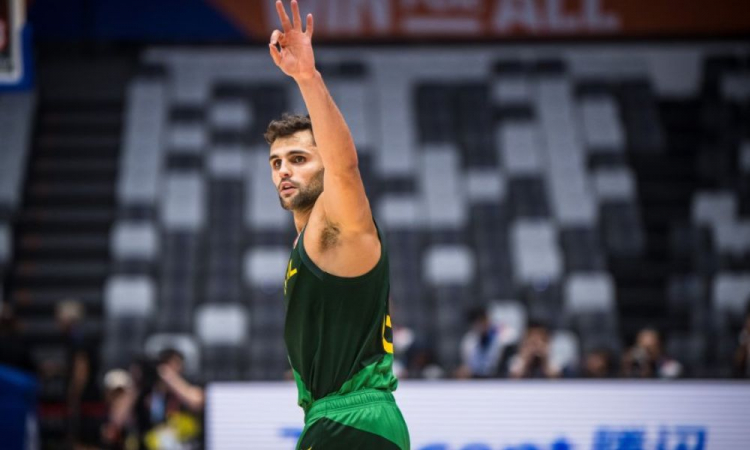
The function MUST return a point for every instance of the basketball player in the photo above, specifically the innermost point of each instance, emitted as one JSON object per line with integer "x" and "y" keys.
{"x": 338, "y": 331}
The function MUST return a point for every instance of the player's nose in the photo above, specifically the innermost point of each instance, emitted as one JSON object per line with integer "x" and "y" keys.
{"x": 285, "y": 171}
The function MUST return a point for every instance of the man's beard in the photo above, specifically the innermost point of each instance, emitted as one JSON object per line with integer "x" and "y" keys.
{"x": 306, "y": 196}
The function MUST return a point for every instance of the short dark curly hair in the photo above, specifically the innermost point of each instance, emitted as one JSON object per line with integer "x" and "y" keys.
{"x": 287, "y": 126}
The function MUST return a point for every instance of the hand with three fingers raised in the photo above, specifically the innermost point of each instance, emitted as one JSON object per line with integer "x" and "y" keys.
{"x": 291, "y": 49}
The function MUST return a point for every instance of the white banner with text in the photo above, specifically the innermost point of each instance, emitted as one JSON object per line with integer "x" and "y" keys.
{"x": 497, "y": 415}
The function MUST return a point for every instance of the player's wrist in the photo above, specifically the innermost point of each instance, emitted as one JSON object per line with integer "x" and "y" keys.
{"x": 307, "y": 77}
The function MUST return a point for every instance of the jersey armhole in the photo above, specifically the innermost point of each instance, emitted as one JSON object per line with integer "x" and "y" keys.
{"x": 325, "y": 276}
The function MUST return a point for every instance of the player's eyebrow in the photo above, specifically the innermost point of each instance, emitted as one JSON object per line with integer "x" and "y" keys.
{"x": 290, "y": 153}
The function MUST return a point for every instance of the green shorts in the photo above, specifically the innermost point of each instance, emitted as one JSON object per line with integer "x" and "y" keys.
{"x": 365, "y": 420}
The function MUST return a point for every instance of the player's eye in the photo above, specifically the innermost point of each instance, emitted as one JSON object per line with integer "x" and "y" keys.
{"x": 276, "y": 164}
{"x": 299, "y": 159}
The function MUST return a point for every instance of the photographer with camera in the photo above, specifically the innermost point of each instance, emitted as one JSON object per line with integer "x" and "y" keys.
{"x": 646, "y": 359}
{"x": 532, "y": 358}
{"x": 169, "y": 409}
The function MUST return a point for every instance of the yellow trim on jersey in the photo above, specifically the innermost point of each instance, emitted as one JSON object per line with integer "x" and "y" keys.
{"x": 387, "y": 346}
{"x": 290, "y": 272}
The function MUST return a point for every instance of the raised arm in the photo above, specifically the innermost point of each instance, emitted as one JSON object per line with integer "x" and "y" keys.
{"x": 344, "y": 200}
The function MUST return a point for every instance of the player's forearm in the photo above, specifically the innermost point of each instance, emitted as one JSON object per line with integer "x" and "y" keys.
{"x": 332, "y": 135}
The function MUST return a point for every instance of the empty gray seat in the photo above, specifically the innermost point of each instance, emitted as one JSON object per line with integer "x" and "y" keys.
{"x": 510, "y": 316}
{"x": 485, "y": 186}
{"x": 228, "y": 163}
{"x": 184, "y": 343}
{"x": 446, "y": 265}
{"x": 230, "y": 114}
{"x": 183, "y": 206}
{"x": 732, "y": 238}
{"x": 573, "y": 202}
{"x": 266, "y": 266}
{"x": 602, "y": 128}
{"x": 730, "y": 294}
{"x": 5, "y": 244}
{"x": 745, "y": 157}
{"x": 589, "y": 293}
{"x": 400, "y": 212}
{"x": 134, "y": 241}
{"x": 142, "y": 150}
{"x": 223, "y": 331}
{"x": 442, "y": 187}
{"x": 129, "y": 296}
{"x": 564, "y": 350}
{"x": 511, "y": 90}
{"x": 190, "y": 138}
{"x": 536, "y": 253}
{"x": 714, "y": 208}
{"x": 222, "y": 324}
{"x": 352, "y": 97}
{"x": 397, "y": 155}
{"x": 518, "y": 143}
{"x": 614, "y": 185}
{"x": 16, "y": 111}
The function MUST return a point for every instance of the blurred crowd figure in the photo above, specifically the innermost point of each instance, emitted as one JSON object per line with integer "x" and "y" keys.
{"x": 482, "y": 346}
{"x": 14, "y": 350}
{"x": 152, "y": 405}
{"x": 647, "y": 359}
{"x": 489, "y": 350}
{"x": 741, "y": 366}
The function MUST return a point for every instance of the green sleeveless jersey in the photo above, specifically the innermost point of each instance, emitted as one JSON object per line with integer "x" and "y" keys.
{"x": 337, "y": 330}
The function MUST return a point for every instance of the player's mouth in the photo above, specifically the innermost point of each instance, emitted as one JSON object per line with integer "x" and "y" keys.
{"x": 287, "y": 188}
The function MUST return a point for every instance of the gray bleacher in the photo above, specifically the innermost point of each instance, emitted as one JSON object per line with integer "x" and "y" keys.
{"x": 16, "y": 110}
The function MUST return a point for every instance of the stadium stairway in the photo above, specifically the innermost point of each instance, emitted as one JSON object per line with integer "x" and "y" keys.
{"x": 62, "y": 233}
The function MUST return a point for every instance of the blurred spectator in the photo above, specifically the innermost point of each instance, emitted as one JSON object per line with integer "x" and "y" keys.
{"x": 481, "y": 347}
{"x": 168, "y": 408}
{"x": 531, "y": 357}
{"x": 14, "y": 350}
{"x": 81, "y": 361}
{"x": 598, "y": 363}
{"x": 646, "y": 359}
{"x": 419, "y": 360}
{"x": 120, "y": 395}
{"x": 170, "y": 371}
{"x": 742, "y": 355}
{"x": 403, "y": 340}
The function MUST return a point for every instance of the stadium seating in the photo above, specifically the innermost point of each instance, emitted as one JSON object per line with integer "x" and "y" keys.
{"x": 598, "y": 189}
{"x": 493, "y": 175}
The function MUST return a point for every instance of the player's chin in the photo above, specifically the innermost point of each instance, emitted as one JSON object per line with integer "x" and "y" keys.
{"x": 286, "y": 203}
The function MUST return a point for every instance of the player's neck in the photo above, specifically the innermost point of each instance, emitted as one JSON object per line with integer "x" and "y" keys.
{"x": 300, "y": 218}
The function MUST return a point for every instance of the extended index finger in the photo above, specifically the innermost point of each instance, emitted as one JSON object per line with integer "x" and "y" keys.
{"x": 285, "y": 22}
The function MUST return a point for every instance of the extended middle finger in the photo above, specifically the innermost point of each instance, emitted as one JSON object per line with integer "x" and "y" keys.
{"x": 295, "y": 16}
